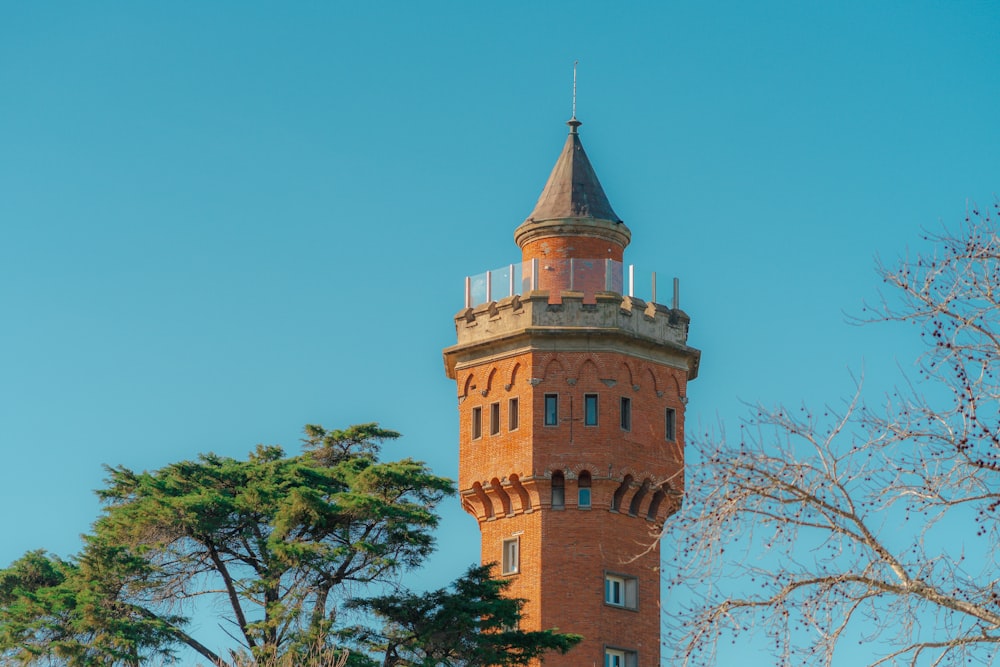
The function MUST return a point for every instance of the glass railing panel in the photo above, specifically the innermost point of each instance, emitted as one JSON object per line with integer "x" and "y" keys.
{"x": 589, "y": 276}
{"x": 614, "y": 280}
{"x": 475, "y": 290}
{"x": 494, "y": 285}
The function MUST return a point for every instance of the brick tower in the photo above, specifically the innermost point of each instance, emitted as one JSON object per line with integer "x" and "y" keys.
{"x": 571, "y": 405}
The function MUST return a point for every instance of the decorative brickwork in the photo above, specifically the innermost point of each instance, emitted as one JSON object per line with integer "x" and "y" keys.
{"x": 619, "y": 467}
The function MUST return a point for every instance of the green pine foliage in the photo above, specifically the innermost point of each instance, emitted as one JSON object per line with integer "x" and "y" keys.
{"x": 70, "y": 612}
{"x": 275, "y": 539}
{"x": 469, "y": 625}
{"x": 280, "y": 544}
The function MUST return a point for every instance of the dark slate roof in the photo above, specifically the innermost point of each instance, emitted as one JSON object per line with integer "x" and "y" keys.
{"x": 573, "y": 190}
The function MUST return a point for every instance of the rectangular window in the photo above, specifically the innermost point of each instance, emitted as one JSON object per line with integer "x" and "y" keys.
{"x": 626, "y": 414}
{"x": 512, "y": 416}
{"x": 590, "y": 409}
{"x": 551, "y": 409}
{"x": 670, "y": 423}
{"x": 621, "y": 591}
{"x": 614, "y": 657}
{"x": 583, "y": 490}
{"x": 511, "y": 556}
{"x": 558, "y": 491}
{"x": 477, "y": 423}
{"x": 494, "y": 418}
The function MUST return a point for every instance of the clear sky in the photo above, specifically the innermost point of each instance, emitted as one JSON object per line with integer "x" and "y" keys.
{"x": 221, "y": 221}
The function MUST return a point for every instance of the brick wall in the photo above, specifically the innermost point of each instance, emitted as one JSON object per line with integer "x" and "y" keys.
{"x": 564, "y": 247}
{"x": 505, "y": 480}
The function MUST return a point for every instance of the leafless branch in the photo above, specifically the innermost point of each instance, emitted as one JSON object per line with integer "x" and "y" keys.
{"x": 809, "y": 528}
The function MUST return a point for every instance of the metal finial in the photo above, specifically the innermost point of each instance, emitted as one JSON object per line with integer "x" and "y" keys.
{"x": 573, "y": 122}
{"x": 575, "y": 63}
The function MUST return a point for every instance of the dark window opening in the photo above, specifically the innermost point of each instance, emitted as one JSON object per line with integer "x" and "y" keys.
{"x": 551, "y": 409}
{"x": 558, "y": 490}
{"x": 583, "y": 490}
{"x": 670, "y": 422}
{"x": 590, "y": 409}
{"x": 477, "y": 423}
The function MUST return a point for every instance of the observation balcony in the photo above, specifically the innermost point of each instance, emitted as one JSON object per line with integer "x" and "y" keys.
{"x": 573, "y": 304}
{"x": 555, "y": 276}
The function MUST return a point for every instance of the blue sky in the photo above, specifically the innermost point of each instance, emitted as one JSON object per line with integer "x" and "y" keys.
{"x": 219, "y": 222}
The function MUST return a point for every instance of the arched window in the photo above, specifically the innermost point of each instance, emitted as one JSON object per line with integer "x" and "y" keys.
{"x": 583, "y": 490}
{"x": 558, "y": 490}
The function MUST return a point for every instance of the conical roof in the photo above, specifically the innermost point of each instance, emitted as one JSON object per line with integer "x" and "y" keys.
{"x": 573, "y": 190}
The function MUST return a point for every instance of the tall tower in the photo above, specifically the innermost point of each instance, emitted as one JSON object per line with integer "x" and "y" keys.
{"x": 571, "y": 404}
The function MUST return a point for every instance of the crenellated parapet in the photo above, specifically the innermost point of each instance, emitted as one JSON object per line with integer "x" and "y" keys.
{"x": 536, "y": 320}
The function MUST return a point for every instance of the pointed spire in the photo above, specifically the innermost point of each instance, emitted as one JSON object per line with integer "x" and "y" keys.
{"x": 573, "y": 190}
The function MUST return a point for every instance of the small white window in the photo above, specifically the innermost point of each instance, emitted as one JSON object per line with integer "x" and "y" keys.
{"x": 511, "y": 561}
{"x": 614, "y": 657}
{"x": 494, "y": 418}
{"x": 477, "y": 423}
{"x": 512, "y": 416}
{"x": 621, "y": 591}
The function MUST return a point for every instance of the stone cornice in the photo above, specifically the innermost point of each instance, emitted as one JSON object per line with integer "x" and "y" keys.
{"x": 517, "y": 325}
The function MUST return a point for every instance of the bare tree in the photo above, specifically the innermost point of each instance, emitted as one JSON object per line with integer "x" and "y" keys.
{"x": 865, "y": 522}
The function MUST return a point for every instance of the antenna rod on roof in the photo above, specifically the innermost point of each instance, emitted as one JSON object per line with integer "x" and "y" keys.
{"x": 575, "y": 62}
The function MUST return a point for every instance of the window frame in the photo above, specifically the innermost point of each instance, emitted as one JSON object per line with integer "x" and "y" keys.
{"x": 583, "y": 485}
{"x": 627, "y": 589}
{"x": 513, "y": 415}
{"x": 625, "y": 413}
{"x": 510, "y": 560}
{"x": 587, "y": 399}
{"x": 626, "y": 658}
{"x": 477, "y": 422}
{"x": 495, "y": 418}
{"x": 670, "y": 425}
{"x": 555, "y": 410}
{"x": 558, "y": 490}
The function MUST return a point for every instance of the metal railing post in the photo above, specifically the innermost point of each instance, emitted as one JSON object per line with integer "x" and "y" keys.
{"x": 677, "y": 293}
{"x": 654, "y": 287}
{"x": 534, "y": 275}
{"x": 468, "y": 292}
{"x": 511, "y": 292}
{"x": 572, "y": 273}
{"x": 631, "y": 279}
{"x": 489, "y": 286}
